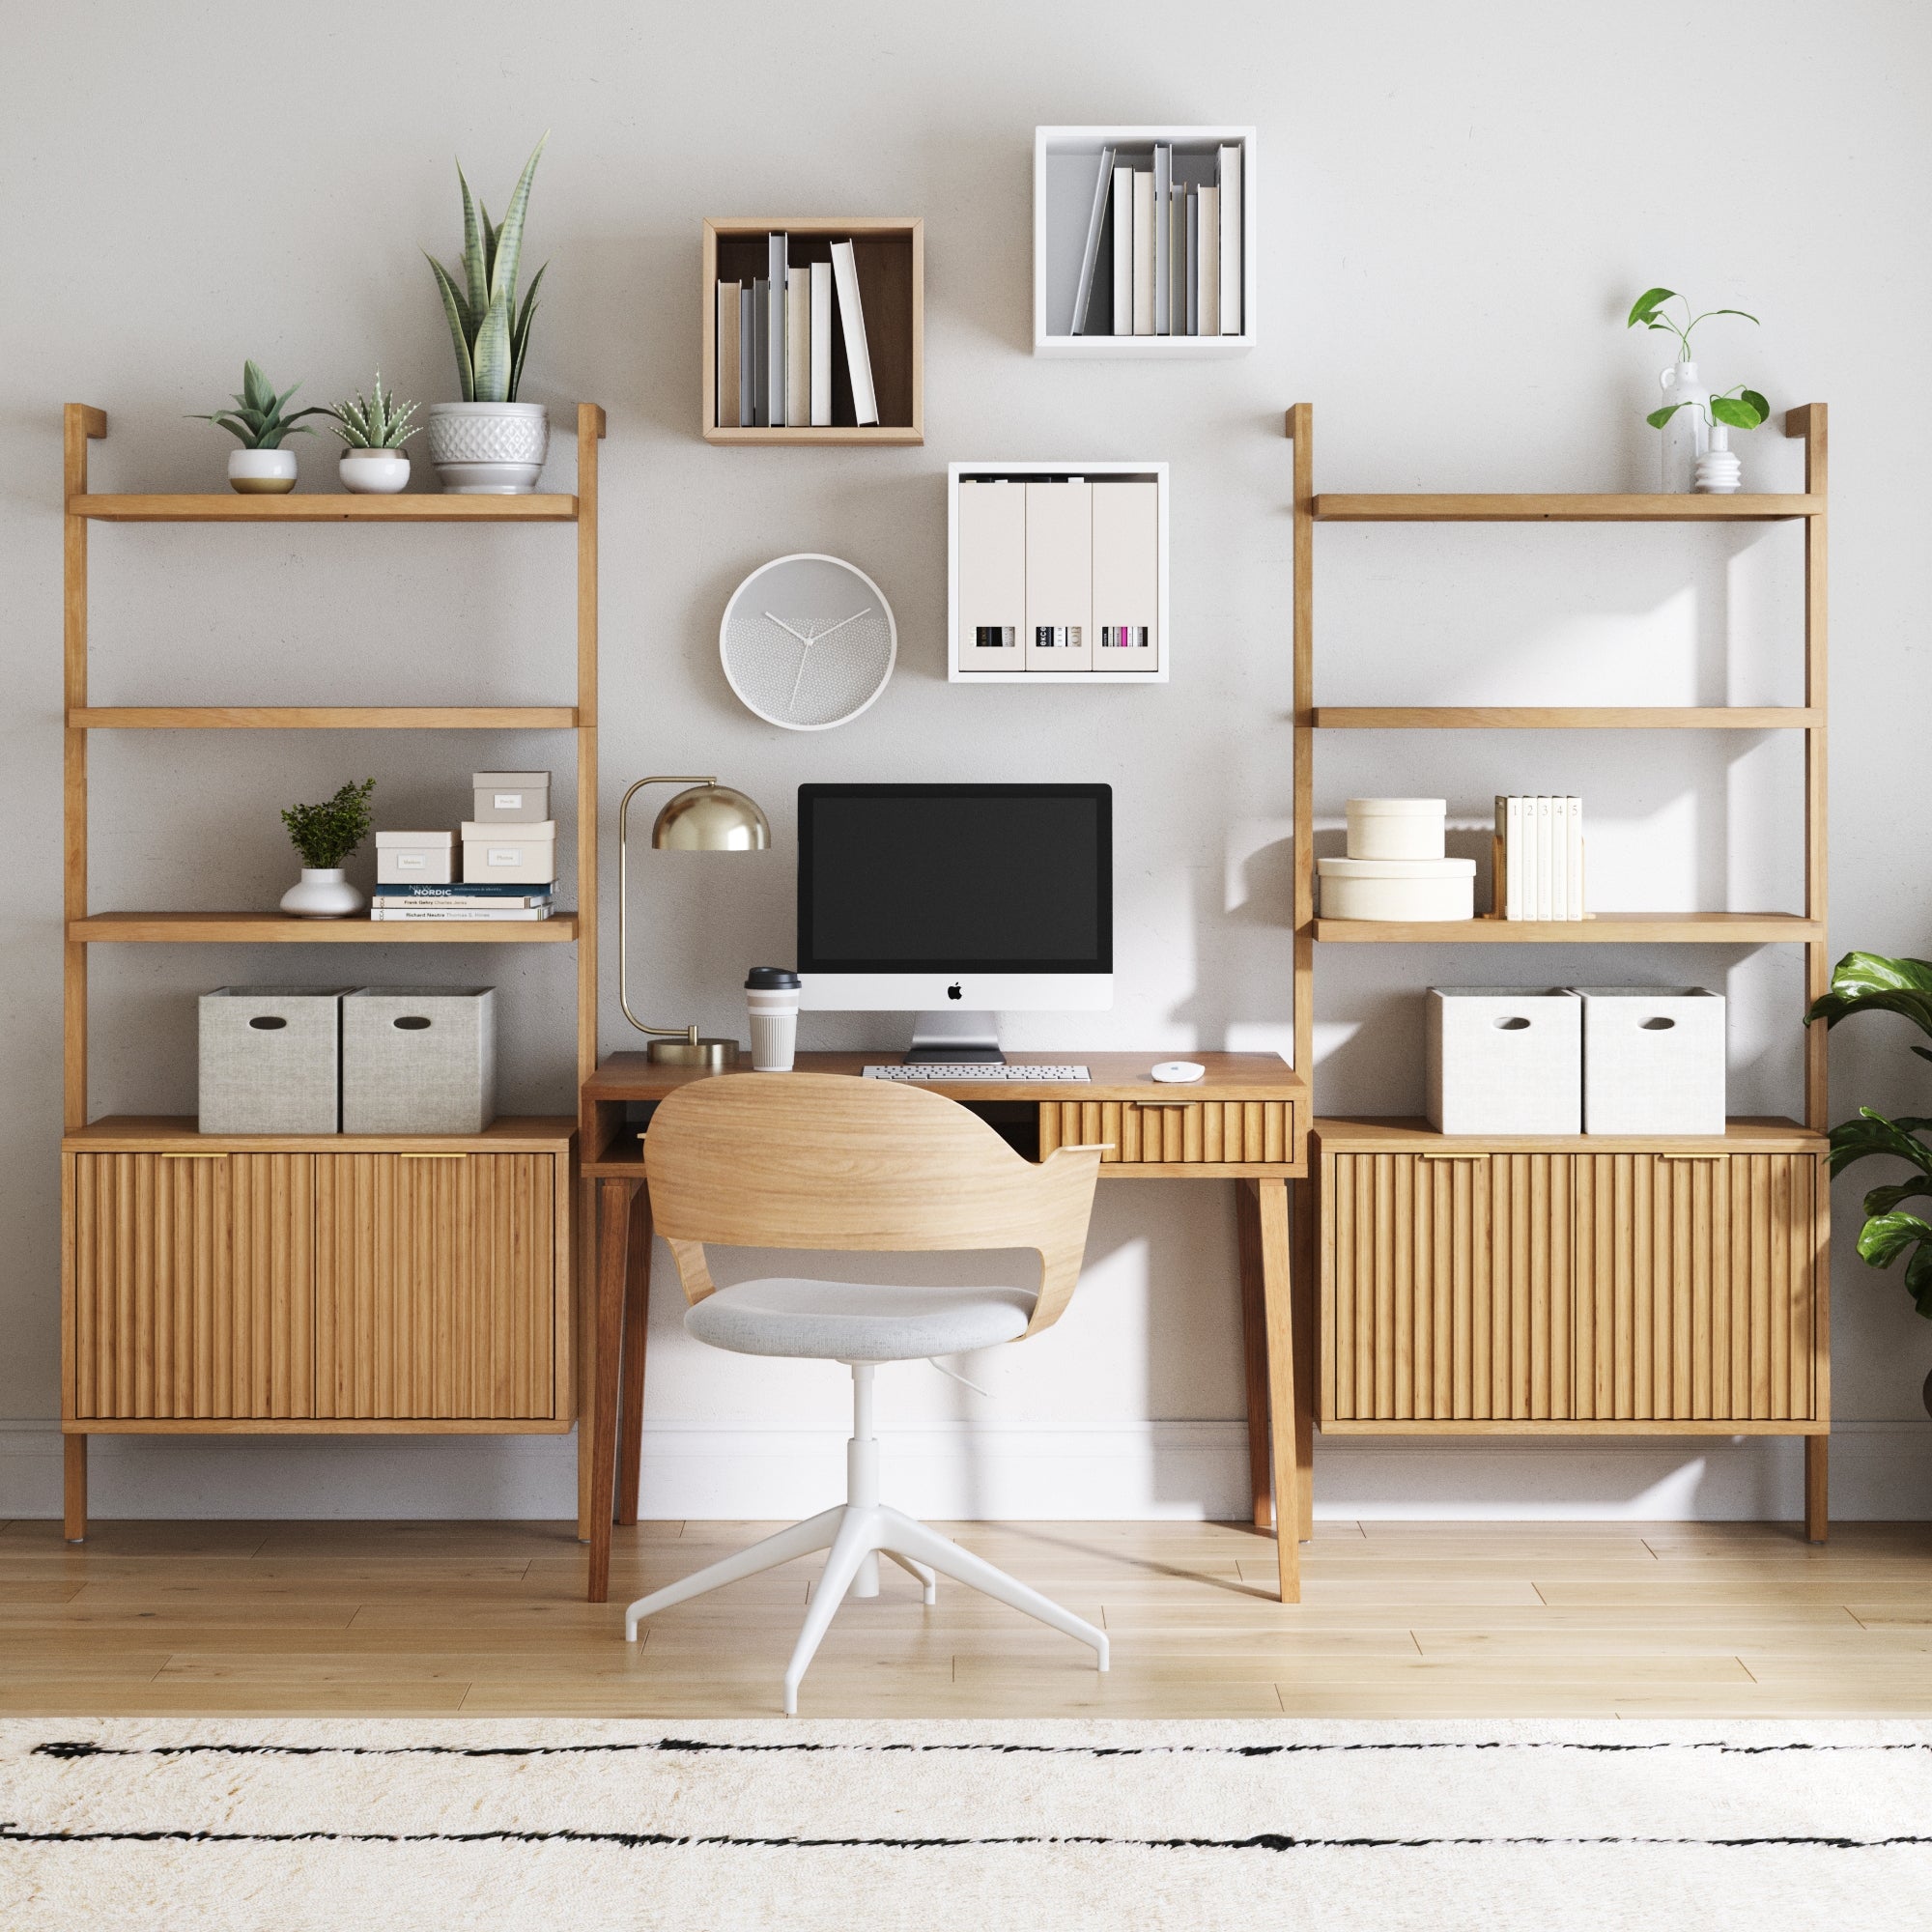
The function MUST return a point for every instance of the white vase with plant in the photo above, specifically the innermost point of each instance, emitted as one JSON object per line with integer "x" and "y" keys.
{"x": 489, "y": 443}
{"x": 261, "y": 467}
{"x": 373, "y": 432}
{"x": 325, "y": 835}
{"x": 1690, "y": 407}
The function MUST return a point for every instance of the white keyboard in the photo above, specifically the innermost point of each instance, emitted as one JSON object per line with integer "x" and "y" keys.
{"x": 953, "y": 1072}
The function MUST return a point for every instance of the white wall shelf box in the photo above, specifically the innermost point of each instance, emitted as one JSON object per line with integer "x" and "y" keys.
{"x": 1064, "y": 161}
{"x": 1055, "y": 564}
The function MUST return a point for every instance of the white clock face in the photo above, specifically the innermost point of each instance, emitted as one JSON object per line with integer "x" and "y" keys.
{"x": 807, "y": 641}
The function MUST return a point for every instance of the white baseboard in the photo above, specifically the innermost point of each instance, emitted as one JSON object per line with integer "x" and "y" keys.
{"x": 1183, "y": 1470}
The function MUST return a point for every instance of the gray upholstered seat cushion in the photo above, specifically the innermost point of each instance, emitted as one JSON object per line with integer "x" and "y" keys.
{"x": 857, "y": 1322}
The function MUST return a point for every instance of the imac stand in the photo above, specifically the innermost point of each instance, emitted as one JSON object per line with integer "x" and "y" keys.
{"x": 955, "y": 1033}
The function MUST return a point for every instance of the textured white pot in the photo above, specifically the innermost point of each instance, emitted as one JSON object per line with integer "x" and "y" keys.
{"x": 1719, "y": 470}
{"x": 324, "y": 892}
{"x": 374, "y": 472}
{"x": 489, "y": 449}
{"x": 262, "y": 473}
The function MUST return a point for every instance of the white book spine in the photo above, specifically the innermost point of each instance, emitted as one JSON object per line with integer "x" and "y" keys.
{"x": 1545, "y": 822}
{"x": 798, "y": 345}
{"x": 1230, "y": 240}
{"x": 1193, "y": 263}
{"x": 1514, "y": 903}
{"x": 1211, "y": 261}
{"x": 1559, "y": 858}
{"x": 852, "y": 318}
{"x": 821, "y": 344}
{"x": 1145, "y": 228}
{"x": 1574, "y": 839}
{"x": 1123, "y": 251}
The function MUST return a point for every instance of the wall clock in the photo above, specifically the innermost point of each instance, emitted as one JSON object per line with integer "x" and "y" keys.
{"x": 807, "y": 641}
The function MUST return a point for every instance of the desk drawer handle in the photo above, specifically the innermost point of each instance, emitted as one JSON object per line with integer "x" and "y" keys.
{"x": 1696, "y": 1157}
{"x": 1454, "y": 1156}
{"x": 210, "y": 1154}
{"x": 432, "y": 1156}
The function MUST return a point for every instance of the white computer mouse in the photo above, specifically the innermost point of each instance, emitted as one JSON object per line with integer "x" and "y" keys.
{"x": 1178, "y": 1072}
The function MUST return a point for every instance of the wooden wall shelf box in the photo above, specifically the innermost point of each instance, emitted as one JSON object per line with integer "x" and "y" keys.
{"x": 1572, "y": 1286}
{"x": 336, "y": 1284}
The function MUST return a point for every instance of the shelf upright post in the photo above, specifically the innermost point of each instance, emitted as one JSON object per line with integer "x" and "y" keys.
{"x": 80, "y": 423}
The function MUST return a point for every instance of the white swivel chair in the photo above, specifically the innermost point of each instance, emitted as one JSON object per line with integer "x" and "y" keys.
{"x": 814, "y": 1160}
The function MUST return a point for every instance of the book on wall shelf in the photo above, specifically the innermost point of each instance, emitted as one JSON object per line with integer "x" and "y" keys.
{"x": 779, "y": 336}
{"x": 462, "y": 901}
{"x": 1538, "y": 872}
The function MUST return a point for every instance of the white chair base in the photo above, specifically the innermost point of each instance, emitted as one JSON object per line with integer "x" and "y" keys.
{"x": 858, "y": 1533}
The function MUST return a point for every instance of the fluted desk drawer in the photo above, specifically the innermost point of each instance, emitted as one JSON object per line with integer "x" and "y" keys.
{"x": 1175, "y": 1133}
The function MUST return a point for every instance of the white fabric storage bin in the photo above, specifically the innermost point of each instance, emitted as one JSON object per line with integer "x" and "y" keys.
{"x": 1505, "y": 1059}
{"x": 1397, "y": 828}
{"x": 416, "y": 858}
{"x": 1653, "y": 1059}
{"x": 418, "y": 1060}
{"x": 270, "y": 1060}
{"x": 509, "y": 855}
{"x": 1397, "y": 888}
{"x": 511, "y": 798}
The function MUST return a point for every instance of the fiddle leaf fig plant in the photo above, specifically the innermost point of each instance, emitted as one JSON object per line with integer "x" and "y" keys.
{"x": 489, "y": 332}
{"x": 326, "y": 834}
{"x": 1869, "y": 983}
{"x": 257, "y": 417}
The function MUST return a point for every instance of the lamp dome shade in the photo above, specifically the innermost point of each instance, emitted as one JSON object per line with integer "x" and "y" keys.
{"x": 711, "y": 818}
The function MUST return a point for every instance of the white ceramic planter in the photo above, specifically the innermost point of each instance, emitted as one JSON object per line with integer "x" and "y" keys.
{"x": 262, "y": 473}
{"x": 374, "y": 472}
{"x": 322, "y": 893}
{"x": 1719, "y": 470}
{"x": 489, "y": 449}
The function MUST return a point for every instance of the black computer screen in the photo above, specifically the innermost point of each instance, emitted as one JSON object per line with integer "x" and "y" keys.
{"x": 907, "y": 878}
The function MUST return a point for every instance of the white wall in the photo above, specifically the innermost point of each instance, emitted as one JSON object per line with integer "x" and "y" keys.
{"x": 1455, "y": 205}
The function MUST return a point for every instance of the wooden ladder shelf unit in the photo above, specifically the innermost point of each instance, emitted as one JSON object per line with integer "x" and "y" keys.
{"x": 1572, "y": 1286}
{"x": 316, "y": 1283}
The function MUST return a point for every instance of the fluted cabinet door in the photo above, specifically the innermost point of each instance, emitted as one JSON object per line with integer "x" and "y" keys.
{"x": 191, "y": 1286}
{"x": 435, "y": 1286}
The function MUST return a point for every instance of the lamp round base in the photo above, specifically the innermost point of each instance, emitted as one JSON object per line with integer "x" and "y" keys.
{"x": 716, "y": 1054}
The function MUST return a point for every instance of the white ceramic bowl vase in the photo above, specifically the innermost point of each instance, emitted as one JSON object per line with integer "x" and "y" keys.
{"x": 374, "y": 472}
{"x": 489, "y": 449}
{"x": 262, "y": 473}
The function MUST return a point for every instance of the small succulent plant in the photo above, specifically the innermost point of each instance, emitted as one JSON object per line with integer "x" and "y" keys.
{"x": 381, "y": 423}
{"x": 257, "y": 417}
{"x": 488, "y": 329}
{"x": 326, "y": 834}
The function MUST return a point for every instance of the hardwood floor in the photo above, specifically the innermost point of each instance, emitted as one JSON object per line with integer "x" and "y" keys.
{"x": 1399, "y": 1620}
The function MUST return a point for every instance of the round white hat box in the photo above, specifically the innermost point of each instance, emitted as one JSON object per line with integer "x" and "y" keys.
{"x": 1397, "y": 828}
{"x": 1397, "y": 888}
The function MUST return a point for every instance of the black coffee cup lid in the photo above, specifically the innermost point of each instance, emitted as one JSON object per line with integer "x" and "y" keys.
{"x": 771, "y": 980}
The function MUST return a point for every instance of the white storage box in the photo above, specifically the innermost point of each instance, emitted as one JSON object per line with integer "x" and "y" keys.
{"x": 272, "y": 1060}
{"x": 418, "y": 1060}
{"x": 1397, "y": 888}
{"x": 1505, "y": 1059}
{"x": 416, "y": 858}
{"x": 509, "y": 855}
{"x": 1397, "y": 828}
{"x": 1653, "y": 1059}
{"x": 511, "y": 798}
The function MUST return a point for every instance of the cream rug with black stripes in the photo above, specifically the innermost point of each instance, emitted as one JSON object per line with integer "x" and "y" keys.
{"x": 302, "y": 1826}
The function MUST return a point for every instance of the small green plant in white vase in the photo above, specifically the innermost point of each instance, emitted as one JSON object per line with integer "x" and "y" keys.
{"x": 262, "y": 467}
{"x": 325, "y": 835}
{"x": 373, "y": 431}
{"x": 1695, "y": 423}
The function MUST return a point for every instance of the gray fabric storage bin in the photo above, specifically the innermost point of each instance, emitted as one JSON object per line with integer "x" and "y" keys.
{"x": 418, "y": 1060}
{"x": 272, "y": 1060}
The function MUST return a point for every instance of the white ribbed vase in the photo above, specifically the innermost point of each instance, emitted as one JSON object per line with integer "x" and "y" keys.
{"x": 488, "y": 449}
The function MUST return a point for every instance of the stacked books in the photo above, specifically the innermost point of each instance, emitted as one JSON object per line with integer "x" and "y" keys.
{"x": 1539, "y": 858}
{"x": 776, "y": 339}
{"x": 1163, "y": 253}
{"x": 462, "y": 901}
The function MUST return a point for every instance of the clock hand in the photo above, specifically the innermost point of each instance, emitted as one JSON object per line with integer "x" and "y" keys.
{"x": 784, "y": 626}
{"x": 841, "y": 623}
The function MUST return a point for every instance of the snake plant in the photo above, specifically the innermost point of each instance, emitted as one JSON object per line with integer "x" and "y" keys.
{"x": 379, "y": 423}
{"x": 1867, "y": 983}
{"x": 489, "y": 330}
{"x": 257, "y": 416}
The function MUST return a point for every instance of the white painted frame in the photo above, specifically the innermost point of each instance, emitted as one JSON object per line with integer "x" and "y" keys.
{"x": 1089, "y": 141}
{"x": 1019, "y": 473}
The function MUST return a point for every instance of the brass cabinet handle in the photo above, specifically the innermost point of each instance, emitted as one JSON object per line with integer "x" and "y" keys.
{"x": 1428, "y": 1154}
{"x": 1696, "y": 1156}
{"x": 201, "y": 1154}
{"x": 432, "y": 1156}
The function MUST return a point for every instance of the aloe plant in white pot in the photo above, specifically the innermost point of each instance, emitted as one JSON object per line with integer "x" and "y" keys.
{"x": 374, "y": 460}
{"x": 489, "y": 443}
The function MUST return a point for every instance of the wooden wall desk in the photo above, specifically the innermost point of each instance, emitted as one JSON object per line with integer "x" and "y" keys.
{"x": 1247, "y": 1121}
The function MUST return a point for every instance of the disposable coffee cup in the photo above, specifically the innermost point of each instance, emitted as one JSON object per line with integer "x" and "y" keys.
{"x": 771, "y": 992}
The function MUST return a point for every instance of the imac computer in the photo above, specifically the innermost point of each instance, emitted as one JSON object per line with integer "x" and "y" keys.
{"x": 955, "y": 903}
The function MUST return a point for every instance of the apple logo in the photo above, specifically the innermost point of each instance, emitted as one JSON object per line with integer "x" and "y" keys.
{"x": 955, "y": 991}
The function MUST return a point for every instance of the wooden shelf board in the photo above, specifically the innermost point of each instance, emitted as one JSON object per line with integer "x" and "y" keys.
{"x": 323, "y": 507}
{"x": 1744, "y": 1133}
{"x": 1636, "y": 1426}
{"x": 1610, "y": 928}
{"x": 322, "y": 718}
{"x": 1425, "y": 508}
{"x": 250, "y": 928}
{"x": 181, "y": 1133}
{"x": 898, "y": 434}
{"x": 1565, "y": 717}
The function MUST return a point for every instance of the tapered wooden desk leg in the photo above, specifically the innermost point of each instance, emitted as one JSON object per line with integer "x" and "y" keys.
{"x": 1253, "y": 1350}
{"x": 1277, "y": 1289}
{"x": 613, "y": 1224}
{"x": 637, "y": 1322}
{"x": 1817, "y": 1486}
{"x": 74, "y": 1487}
{"x": 1307, "y": 1294}
{"x": 587, "y": 1359}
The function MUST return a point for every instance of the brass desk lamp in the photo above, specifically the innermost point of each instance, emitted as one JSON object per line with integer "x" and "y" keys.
{"x": 709, "y": 817}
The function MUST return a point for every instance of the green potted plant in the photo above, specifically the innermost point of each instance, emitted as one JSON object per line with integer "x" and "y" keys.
{"x": 1686, "y": 437}
{"x": 373, "y": 432}
{"x": 1864, "y": 983}
{"x": 325, "y": 835}
{"x": 489, "y": 443}
{"x": 261, "y": 467}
